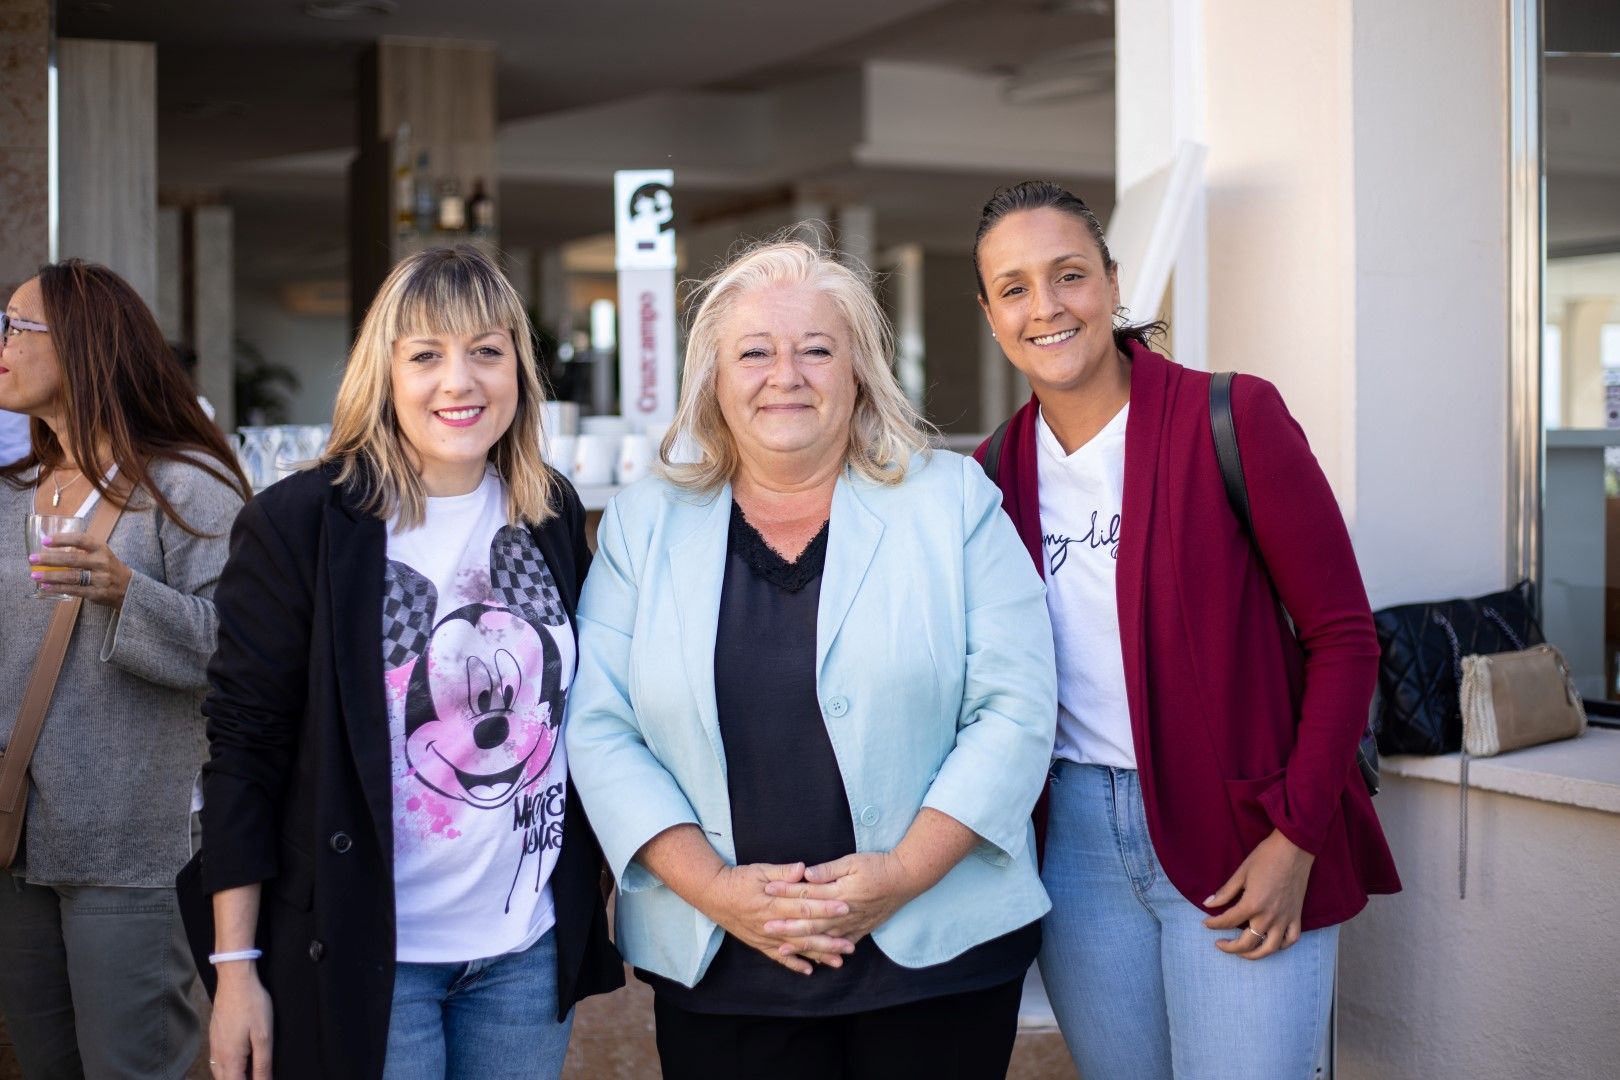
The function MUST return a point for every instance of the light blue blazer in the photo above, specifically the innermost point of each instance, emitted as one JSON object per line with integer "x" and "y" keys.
{"x": 934, "y": 669}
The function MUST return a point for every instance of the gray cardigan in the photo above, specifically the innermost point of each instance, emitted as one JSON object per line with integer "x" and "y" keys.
{"x": 112, "y": 776}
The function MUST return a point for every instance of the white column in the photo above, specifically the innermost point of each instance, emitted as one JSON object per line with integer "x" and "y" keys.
{"x": 1160, "y": 102}
{"x": 857, "y": 232}
{"x": 170, "y": 306}
{"x": 905, "y": 268}
{"x": 213, "y": 283}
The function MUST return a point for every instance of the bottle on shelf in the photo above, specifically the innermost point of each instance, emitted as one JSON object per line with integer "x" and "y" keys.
{"x": 452, "y": 207}
{"x": 481, "y": 210}
{"x": 404, "y": 185}
{"x": 427, "y": 207}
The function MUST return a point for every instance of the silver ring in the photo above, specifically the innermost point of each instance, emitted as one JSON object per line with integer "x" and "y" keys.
{"x": 1256, "y": 933}
{"x": 84, "y": 579}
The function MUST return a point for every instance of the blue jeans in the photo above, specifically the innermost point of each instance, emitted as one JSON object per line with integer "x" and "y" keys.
{"x": 483, "y": 1018}
{"x": 1138, "y": 986}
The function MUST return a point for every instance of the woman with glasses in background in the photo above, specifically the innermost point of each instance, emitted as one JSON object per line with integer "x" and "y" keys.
{"x": 94, "y": 972}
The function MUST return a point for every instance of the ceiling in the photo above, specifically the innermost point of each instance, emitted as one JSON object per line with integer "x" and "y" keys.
{"x": 243, "y": 83}
{"x": 248, "y": 80}
{"x": 1581, "y": 137}
{"x": 257, "y": 99}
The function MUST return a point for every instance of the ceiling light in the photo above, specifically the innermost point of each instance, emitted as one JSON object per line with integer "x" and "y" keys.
{"x": 1065, "y": 75}
{"x": 350, "y": 10}
{"x": 213, "y": 109}
{"x": 1080, "y": 7}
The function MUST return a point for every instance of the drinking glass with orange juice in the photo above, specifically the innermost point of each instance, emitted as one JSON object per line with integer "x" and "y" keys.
{"x": 41, "y": 526}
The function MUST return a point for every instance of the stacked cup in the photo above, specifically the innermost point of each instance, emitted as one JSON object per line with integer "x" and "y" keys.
{"x": 560, "y": 429}
{"x": 610, "y": 450}
{"x": 596, "y": 450}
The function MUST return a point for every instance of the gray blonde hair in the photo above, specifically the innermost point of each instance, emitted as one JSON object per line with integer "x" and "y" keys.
{"x": 455, "y": 290}
{"x": 885, "y": 429}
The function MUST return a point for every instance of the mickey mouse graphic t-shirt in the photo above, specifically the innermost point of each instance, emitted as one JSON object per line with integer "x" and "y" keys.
{"x": 478, "y": 655}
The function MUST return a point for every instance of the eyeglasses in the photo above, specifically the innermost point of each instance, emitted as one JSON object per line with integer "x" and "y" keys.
{"x": 10, "y": 326}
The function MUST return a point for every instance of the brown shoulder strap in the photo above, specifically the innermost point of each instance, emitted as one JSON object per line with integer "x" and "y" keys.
{"x": 42, "y": 680}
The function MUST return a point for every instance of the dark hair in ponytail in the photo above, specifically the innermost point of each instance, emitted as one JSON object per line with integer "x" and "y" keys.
{"x": 1043, "y": 195}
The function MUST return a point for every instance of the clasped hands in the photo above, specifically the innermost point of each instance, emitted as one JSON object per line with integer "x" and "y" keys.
{"x": 802, "y": 915}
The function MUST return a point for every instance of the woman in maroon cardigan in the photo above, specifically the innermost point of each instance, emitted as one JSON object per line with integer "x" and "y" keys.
{"x": 1208, "y": 830}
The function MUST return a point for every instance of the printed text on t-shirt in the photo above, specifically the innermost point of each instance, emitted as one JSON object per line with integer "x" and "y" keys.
{"x": 1057, "y": 545}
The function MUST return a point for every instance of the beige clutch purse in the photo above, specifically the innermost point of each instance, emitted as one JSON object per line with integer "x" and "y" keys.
{"x": 1516, "y": 699}
{"x": 1509, "y": 701}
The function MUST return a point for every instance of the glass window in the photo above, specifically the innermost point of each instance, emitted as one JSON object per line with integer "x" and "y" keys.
{"x": 1580, "y": 364}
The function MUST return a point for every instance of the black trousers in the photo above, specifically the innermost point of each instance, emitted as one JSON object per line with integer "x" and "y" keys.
{"x": 957, "y": 1037}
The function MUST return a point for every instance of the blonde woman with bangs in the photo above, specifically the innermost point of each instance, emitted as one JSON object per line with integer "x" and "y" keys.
{"x": 815, "y": 705}
{"x": 403, "y": 883}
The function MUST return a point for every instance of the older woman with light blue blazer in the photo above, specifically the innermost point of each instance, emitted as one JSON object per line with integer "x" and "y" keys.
{"x": 815, "y": 705}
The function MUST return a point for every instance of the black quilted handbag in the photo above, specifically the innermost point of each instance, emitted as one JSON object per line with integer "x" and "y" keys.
{"x": 1420, "y": 674}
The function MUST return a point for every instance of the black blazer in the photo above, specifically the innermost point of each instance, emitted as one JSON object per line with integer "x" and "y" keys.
{"x": 297, "y": 789}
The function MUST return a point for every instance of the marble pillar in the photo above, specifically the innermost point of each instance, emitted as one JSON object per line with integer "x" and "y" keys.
{"x": 25, "y": 28}
{"x": 107, "y": 139}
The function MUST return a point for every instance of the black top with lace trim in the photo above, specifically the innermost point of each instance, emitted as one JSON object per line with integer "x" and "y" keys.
{"x": 767, "y": 563}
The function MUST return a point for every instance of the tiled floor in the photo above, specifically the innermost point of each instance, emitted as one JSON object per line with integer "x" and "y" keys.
{"x": 613, "y": 1040}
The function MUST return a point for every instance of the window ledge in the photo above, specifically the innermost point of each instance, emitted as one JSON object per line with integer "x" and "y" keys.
{"x": 1582, "y": 772}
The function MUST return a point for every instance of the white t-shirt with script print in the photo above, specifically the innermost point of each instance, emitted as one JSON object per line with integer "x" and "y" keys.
{"x": 1081, "y": 497}
{"x": 478, "y": 656}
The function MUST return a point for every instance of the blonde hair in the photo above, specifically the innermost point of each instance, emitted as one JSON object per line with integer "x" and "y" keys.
{"x": 455, "y": 290}
{"x": 885, "y": 429}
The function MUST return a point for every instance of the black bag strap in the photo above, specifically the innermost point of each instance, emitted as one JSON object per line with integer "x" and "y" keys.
{"x": 992, "y": 453}
{"x": 1237, "y": 493}
{"x": 1226, "y": 447}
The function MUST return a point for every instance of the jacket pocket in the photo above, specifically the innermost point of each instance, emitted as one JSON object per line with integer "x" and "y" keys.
{"x": 1253, "y": 823}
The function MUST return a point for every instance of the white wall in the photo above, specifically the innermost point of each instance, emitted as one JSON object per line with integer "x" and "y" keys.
{"x": 1281, "y": 238}
{"x": 1431, "y": 314}
{"x": 1358, "y": 259}
{"x": 1517, "y": 982}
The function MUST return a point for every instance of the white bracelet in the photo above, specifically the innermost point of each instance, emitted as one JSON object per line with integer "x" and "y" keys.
{"x": 239, "y": 954}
